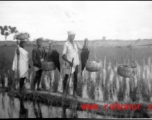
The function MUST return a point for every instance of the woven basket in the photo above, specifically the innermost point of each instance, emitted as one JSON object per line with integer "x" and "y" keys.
{"x": 48, "y": 66}
{"x": 22, "y": 36}
{"x": 126, "y": 71}
{"x": 93, "y": 66}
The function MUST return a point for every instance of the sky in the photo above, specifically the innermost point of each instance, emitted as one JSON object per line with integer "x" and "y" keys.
{"x": 124, "y": 20}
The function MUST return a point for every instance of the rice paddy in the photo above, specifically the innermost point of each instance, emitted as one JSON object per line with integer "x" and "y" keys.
{"x": 106, "y": 84}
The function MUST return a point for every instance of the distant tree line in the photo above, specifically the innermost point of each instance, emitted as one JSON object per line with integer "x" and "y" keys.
{"x": 7, "y": 30}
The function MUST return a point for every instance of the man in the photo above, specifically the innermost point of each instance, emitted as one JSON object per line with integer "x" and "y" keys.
{"x": 38, "y": 55}
{"x": 21, "y": 65}
{"x": 70, "y": 51}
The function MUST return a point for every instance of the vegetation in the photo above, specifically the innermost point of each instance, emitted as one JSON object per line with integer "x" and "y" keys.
{"x": 7, "y": 30}
{"x": 105, "y": 85}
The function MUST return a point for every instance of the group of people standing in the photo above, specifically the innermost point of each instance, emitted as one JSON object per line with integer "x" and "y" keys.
{"x": 70, "y": 51}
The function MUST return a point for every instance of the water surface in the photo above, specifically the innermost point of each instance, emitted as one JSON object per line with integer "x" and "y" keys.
{"x": 11, "y": 107}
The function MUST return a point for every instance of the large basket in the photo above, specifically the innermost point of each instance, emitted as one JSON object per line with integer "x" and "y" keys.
{"x": 22, "y": 36}
{"x": 126, "y": 71}
{"x": 48, "y": 66}
{"x": 93, "y": 66}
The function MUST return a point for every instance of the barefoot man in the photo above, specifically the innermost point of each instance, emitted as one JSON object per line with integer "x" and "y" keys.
{"x": 38, "y": 55}
{"x": 23, "y": 63}
{"x": 70, "y": 51}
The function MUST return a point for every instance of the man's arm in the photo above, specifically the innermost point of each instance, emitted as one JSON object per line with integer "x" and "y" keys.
{"x": 79, "y": 46}
{"x": 34, "y": 56}
{"x": 17, "y": 51}
{"x": 45, "y": 54}
{"x": 29, "y": 61}
{"x": 65, "y": 58}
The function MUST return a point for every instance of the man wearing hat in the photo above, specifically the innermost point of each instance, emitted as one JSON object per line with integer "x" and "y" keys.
{"x": 38, "y": 55}
{"x": 70, "y": 51}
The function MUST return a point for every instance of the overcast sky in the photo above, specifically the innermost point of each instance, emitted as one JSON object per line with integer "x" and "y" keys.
{"x": 92, "y": 19}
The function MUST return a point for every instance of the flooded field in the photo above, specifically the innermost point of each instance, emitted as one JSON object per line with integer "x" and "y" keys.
{"x": 104, "y": 85}
{"x": 16, "y": 108}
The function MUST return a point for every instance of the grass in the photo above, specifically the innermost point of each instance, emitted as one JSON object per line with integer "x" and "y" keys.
{"x": 107, "y": 85}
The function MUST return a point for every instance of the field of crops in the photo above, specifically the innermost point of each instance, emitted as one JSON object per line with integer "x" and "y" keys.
{"x": 105, "y": 85}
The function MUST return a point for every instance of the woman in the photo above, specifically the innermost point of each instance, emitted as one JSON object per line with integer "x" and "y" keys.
{"x": 22, "y": 64}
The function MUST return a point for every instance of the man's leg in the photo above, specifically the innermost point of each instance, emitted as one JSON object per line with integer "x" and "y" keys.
{"x": 36, "y": 79}
{"x": 21, "y": 83}
{"x": 65, "y": 82}
{"x": 39, "y": 79}
{"x": 75, "y": 80}
{"x": 2, "y": 82}
{"x": 52, "y": 78}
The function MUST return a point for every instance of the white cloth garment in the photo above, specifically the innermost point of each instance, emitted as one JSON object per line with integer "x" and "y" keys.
{"x": 23, "y": 63}
{"x": 71, "y": 52}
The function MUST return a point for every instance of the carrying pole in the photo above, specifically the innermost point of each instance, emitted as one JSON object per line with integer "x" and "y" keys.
{"x": 94, "y": 49}
{"x": 67, "y": 84}
{"x": 17, "y": 62}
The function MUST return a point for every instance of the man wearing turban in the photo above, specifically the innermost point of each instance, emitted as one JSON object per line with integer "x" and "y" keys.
{"x": 23, "y": 63}
{"x": 70, "y": 51}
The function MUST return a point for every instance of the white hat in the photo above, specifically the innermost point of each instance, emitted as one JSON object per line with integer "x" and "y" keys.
{"x": 71, "y": 33}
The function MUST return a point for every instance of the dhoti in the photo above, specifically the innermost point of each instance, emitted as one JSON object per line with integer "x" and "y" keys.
{"x": 23, "y": 63}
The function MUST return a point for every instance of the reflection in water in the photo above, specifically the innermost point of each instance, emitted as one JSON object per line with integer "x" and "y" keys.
{"x": 23, "y": 113}
{"x": 37, "y": 109}
{"x": 11, "y": 107}
{"x": 11, "y": 102}
{"x": 3, "y": 104}
{"x": 64, "y": 112}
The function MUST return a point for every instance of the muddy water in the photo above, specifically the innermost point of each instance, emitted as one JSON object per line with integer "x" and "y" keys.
{"x": 16, "y": 108}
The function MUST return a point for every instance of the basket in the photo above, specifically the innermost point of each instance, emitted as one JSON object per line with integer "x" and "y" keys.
{"x": 22, "y": 36}
{"x": 93, "y": 66}
{"x": 48, "y": 66}
{"x": 126, "y": 71}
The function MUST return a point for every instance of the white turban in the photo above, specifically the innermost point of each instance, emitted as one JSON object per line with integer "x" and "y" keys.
{"x": 71, "y": 33}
